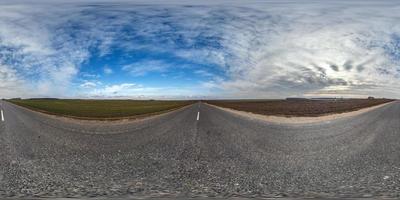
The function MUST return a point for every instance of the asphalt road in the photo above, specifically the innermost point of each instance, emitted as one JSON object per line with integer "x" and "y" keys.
{"x": 220, "y": 154}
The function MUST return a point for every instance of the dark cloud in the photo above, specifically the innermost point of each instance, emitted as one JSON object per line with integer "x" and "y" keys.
{"x": 307, "y": 81}
{"x": 360, "y": 68}
{"x": 383, "y": 71}
{"x": 348, "y": 65}
{"x": 320, "y": 70}
{"x": 334, "y": 67}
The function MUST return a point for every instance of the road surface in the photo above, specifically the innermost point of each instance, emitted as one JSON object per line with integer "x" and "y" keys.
{"x": 200, "y": 151}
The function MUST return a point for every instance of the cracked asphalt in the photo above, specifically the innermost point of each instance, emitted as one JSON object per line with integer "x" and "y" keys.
{"x": 219, "y": 155}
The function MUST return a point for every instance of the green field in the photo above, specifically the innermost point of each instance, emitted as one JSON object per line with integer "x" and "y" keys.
{"x": 99, "y": 109}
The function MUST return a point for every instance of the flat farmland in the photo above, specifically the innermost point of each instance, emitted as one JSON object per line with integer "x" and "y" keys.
{"x": 298, "y": 108}
{"x": 99, "y": 109}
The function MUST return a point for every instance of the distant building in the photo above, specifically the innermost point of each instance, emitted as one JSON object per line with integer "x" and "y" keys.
{"x": 371, "y": 97}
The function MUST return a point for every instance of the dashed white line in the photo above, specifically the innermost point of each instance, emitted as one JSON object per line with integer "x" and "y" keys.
{"x": 198, "y": 116}
{"x": 2, "y": 116}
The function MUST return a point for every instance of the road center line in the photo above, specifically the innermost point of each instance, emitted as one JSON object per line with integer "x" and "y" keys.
{"x": 198, "y": 116}
{"x": 2, "y": 116}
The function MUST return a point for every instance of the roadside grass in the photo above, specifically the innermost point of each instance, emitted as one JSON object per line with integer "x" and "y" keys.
{"x": 99, "y": 109}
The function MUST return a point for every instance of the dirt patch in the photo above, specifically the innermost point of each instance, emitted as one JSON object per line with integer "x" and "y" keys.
{"x": 301, "y": 119}
{"x": 299, "y": 108}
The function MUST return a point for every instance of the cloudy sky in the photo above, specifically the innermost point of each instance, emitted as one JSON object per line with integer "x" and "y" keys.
{"x": 187, "y": 49}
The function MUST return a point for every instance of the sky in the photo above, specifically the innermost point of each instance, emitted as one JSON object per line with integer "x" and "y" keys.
{"x": 190, "y": 50}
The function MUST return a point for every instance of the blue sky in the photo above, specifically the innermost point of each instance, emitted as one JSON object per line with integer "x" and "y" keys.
{"x": 187, "y": 49}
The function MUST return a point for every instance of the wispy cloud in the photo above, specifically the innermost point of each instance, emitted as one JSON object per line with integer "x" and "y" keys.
{"x": 204, "y": 73}
{"x": 145, "y": 67}
{"x": 120, "y": 89}
{"x": 89, "y": 84}
{"x": 107, "y": 70}
{"x": 10, "y": 83}
{"x": 137, "y": 91}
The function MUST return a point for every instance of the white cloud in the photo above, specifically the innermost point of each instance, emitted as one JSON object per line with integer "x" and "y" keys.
{"x": 11, "y": 84}
{"x": 89, "y": 75}
{"x": 137, "y": 91}
{"x": 204, "y": 73}
{"x": 107, "y": 70}
{"x": 145, "y": 67}
{"x": 30, "y": 46}
{"x": 117, "y": 90}
{"x": 88, "y": 85}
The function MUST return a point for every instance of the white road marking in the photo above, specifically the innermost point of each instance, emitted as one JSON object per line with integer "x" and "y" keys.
{"x": 2, "y": 116}
{"x": 198, "y": 116}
